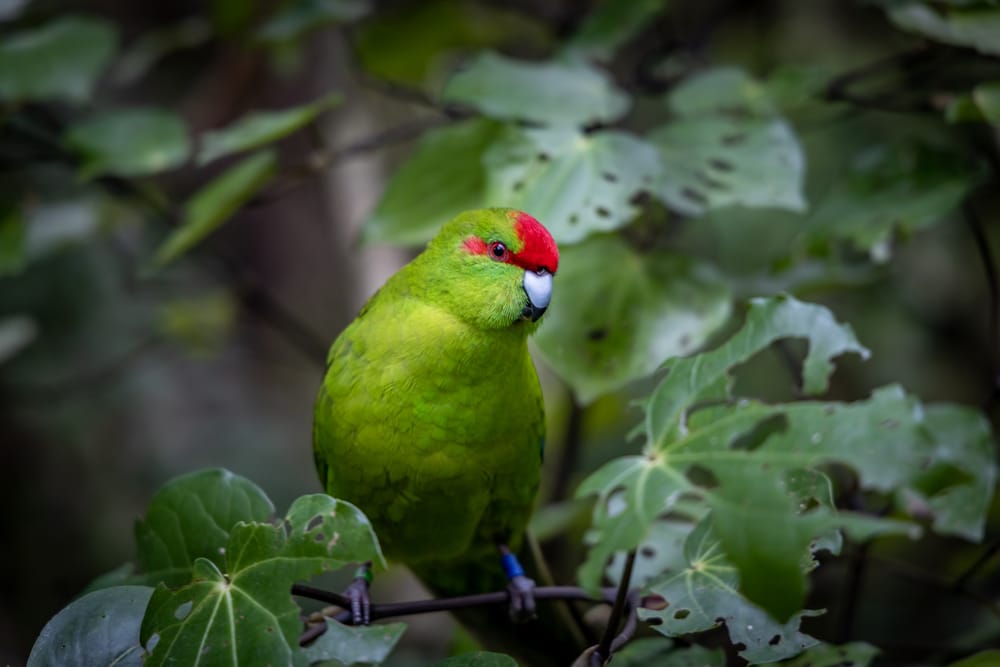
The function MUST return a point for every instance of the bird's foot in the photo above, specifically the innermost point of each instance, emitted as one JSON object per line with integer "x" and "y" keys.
{"x": 521, "y": 590}
{"x": 361, "y": 602}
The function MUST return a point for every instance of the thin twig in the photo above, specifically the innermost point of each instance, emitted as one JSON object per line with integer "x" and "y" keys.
{"x": 959, "y": 584}
{"x": 604, "y": 649}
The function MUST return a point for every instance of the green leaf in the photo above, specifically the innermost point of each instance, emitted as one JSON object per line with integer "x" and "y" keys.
{"x": 242, "y": 612}
{"x": 898, "y": 185}
{"x": 605, "y": 329}
{"x": 705, "y": 590}
{"x": 479, "y": 659}
{"x": 855, "y": 654}
{"x": 191, "y": 517}
{"x": 556, "y": 93}
{"x": 987, "y": 98}
{"x": 151, "y": 47}
{"x": 299, "y": 17}
{"x": 756, "y": 465}
{"x": 987, "y": 658}
{"x": 362, "y": 645}
{"x": 16, "y": 333}
{"x": 441, "y": 178}
{"x": 259, "y": 128}
{"x": 611, "y": 25}
{"x": 662, "y": 652}
{"x": 727, "y": 147}
{"x": 576, "y": 184}
{"x": 132, "y": 142}
{"x": 100, "y": 628}
{"x": 974, "y": 27}
{"x": 202, "y": 323}
{"x": 215, "y": 203}
{"x": 60, "y": 60}
{"x": 12, "y": 240}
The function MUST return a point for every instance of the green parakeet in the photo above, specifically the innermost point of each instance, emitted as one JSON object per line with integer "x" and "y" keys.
{"x": 430, "y": 416}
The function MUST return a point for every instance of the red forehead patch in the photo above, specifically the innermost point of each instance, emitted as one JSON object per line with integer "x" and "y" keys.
{"x": 539, "y": 249}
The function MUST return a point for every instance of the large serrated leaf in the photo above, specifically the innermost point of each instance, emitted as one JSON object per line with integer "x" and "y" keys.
{"x": 242, "y": 612}
{"x": 191, "y": 517}
{"x": 362, "y": 645}
{"x": 215, "y": 203}
{"x": 607, "y": 327}
{"x": 727, "y": 147}
{"x": 132, "y": 142}
{"x": 557, "y": 93}
{"x": 259, "y": 128}
{"x": 576, "y": 184}
{"x": 441, "y": 178}
{"x": 100, "y": 628}
{"x": 60, "y": 60}
{"x": 756, "y": 465}
{"x": 975, "y": 27}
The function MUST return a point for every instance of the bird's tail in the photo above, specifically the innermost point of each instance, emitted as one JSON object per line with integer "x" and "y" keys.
{"x": 554, "y": 638}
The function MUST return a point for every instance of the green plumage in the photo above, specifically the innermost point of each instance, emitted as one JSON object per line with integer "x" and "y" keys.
{"x": 430, "y": 416}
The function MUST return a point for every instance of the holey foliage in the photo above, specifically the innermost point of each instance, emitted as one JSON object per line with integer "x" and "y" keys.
{"x": 723, "y": 205}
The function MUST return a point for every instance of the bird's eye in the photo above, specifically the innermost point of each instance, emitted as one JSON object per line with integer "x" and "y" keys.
{"x": 498, "y": 251}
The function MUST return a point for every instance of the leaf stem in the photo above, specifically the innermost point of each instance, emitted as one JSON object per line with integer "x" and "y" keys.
{"x": 606, "y": 647}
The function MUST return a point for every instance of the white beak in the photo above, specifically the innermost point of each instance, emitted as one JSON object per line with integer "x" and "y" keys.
{"x": 538, "y": 287}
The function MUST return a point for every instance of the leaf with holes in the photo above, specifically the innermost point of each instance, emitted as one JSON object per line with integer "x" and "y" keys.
{"x": 61, "y": 60}
{"x": 191, "y": 517}
{"x": 241, "y": 611}
{"x": 259, "y": 128}
{"x": 100, "y": 628}
{"x": 611, "y": 25}
{"x": 578, "y": 184}
{"x": 565, "y": 93}
{"x": 756, "y": 465}
{"x": 620, "y": 325}
{"x": 976, "y": 27}
{"x": 132, "y": 142}
{"x": 441, "y": 178}
{"x": 727, "y": 147}
{"x": 888, "y": 187}
{"x": 362, "y": 645}
{"x": 215, "y": 203}
{"x": 703, "y": 593}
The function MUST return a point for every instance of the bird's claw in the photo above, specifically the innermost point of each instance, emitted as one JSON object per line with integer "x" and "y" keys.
{"x": 361, "y": 602}
{"x": 521, "y": 590}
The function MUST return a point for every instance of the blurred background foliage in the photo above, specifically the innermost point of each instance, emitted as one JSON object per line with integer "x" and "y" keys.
{"x": 196, "y": 197}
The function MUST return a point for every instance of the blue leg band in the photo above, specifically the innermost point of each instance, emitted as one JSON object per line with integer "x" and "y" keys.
{"x": 511, "y": 566}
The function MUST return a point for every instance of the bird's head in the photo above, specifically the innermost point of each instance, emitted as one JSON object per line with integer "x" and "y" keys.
{"x": 493, "y": 267}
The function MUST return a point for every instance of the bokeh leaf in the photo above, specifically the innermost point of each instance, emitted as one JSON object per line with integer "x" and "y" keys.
{"x": 100, "y": 628}
{"x": 986, "y": 658}
{"x": 60, "y": 60}
{"x": 12, "y": 240}
{"x": 727, "y": 146}
{"x": 576, "y": 184}
{"x": 900, "y": 185}
{"x": 479, "y": 659}
{"x": 296, "y": 18}
{"x": 987, "y": 98}
{"x": 611, "y": 25}
{"x": 362, "y": 645}
{"x": 976, "y": 27}
{"x": 191, "y": 517}
{"x": 662, "y": 652}
{"x": 16, "y": 333}
{"x": 441, "y": 178}
{"x": 259, "y": 128}
{"x": 556, "y": 93}
{"x": 215, "y": 203}
{"x": 132, "y": 142}
{"x": 607, "y": 327}
{"x": 854, "y": 654}
{"x": 242, "y": 612}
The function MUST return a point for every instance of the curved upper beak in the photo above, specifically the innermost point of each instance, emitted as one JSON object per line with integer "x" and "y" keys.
{"x": 538, "y": 287}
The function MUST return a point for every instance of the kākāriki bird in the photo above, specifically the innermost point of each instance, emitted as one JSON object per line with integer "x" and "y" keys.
{"x": 430, "y": 416}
